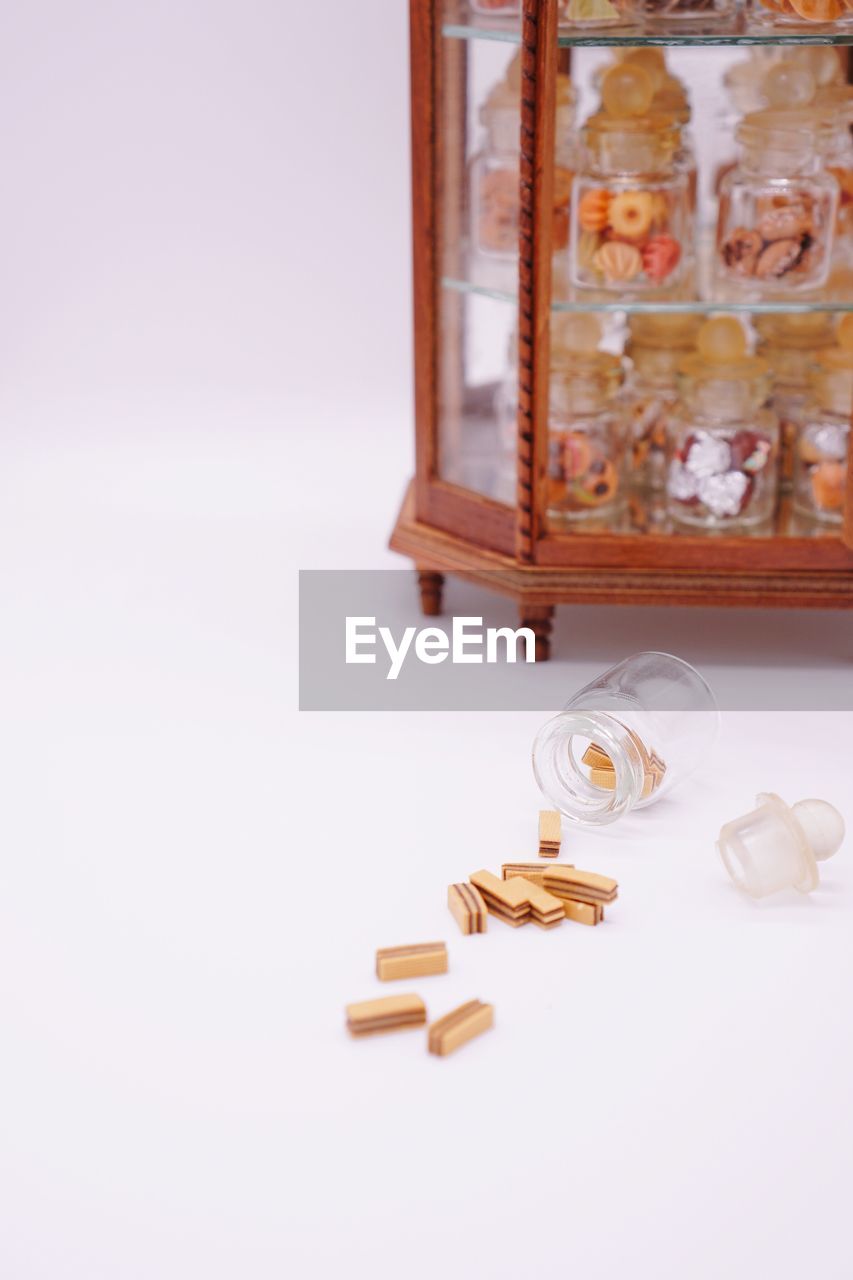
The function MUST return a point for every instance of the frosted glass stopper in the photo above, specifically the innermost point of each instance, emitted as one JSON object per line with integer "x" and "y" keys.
{"x": 777, "y": 846}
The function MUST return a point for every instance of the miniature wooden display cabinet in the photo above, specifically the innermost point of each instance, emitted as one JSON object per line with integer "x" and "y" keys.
{"x": 572, "y": 238}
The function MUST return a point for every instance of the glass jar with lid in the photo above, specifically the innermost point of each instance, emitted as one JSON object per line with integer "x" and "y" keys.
{"x": 789, "y": 342}
{"x": 723, "y": 439}
{"x": 835, "y": 145}
{"x": 777, "y": 207}
{"x": 494, "y": 171}
{"x": 820, "y": 461}
{"x": 586, "y": 426}
{"x": 630, "y": 205}
{"x": 656, "y": 345}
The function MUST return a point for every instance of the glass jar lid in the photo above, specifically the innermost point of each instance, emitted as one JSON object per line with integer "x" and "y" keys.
{"x": 792, "y": 133}
{"x": 721, "y": 355}
{"x": 806, "y": 331}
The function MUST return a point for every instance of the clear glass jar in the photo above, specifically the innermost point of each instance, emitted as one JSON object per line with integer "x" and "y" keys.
{"x": 630, "y": 205}
{"x": 789, "y": 344}
{"x": 777, "y": 207}
{"x": 807, "y": 15}
{"x": 723, "y": 440}
{"x": 835, "y": 145}
{"x": 820, "y": 461}
{"x": 656, "y": 344}
{"x": 626, "y": 739}
{"x": 671, "y": 13}
{"x": 586, "y": 437}
{"x": 494, "y": 170}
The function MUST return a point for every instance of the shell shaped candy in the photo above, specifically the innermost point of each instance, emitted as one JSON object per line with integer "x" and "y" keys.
{"x": 661, "y": 255}
{"x": 618, "y": 262}
{"x": 594, "y": 209}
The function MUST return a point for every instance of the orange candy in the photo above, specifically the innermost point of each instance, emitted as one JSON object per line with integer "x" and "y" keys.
{"x": 819, "y": 10}
{"x": 594, "y": 209}
{"x": 829, "y": 482}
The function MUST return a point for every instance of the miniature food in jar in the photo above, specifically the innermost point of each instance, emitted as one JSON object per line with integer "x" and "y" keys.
{"x": 495, "y": 176}
{"x": 723, "y": 440}
{"x": 630, "y": 208}
{"x": 789, "y": 342}
{"x": 777, "y": 207}
{"x": 586, "y": 427}
{"x": 820, "y": 459}
{"x": 656, "y": 345}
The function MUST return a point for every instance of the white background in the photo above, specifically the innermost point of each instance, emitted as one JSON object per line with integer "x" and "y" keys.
{"x": 205, "y": 386}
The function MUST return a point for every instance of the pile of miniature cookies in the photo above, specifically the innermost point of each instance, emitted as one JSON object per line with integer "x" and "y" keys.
{"x": 546, "y": 893}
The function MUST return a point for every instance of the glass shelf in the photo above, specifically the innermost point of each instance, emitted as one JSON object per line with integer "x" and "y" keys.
{"x": 740, "y": 32}
{"x": 490, "y": 278}
{"x": 632, "y": 306}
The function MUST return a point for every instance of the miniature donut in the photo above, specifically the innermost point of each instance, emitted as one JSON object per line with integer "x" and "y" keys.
{"x": 618, "y": 261}
{"x": 593, "y": 209}
{"x": 661, "y": 255}
{"x": 631, "y": 214}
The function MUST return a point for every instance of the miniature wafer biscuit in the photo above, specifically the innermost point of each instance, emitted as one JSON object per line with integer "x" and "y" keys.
{"x": 389, "y": 1013}
{"x": 459, "y": 1026}
{"x": 550, "y": 833}
{"x": 546, "y": 909}
{"x": 517, "y": 900}
{"x": 583, "y": 912}
{"x": 418, "y": 961}
{"x": 604, "y": 778}
{"x": 581, "y": 886}
{"x": 508, "y": 896}
{"x": 532, "y": 871}
{"x": 597, "y": 758}
{"x": 467, "y": 908}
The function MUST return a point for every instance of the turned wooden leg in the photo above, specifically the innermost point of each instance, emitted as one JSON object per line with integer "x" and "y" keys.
{"x": 540, "y": 619}
{"x": 432, "y": 587}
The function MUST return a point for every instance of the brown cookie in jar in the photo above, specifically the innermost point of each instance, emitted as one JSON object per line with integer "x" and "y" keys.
{"x": 779, "y": 257}
{"x": 790, "y": 222}
{"x": 740, "y": 251}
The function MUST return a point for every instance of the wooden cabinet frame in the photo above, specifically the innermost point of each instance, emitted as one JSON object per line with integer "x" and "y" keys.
{"x": 446, "y": 528}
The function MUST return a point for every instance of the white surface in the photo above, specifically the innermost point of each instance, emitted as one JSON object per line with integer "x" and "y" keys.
{"x": 193, "y": 877}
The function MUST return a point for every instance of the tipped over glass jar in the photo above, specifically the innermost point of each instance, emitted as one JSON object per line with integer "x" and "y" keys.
{"x": 723, "y": 439}
{"x": 626, "y": 739}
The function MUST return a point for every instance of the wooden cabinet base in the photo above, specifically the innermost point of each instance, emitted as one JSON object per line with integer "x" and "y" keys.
{"x": 537, "y": 588}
